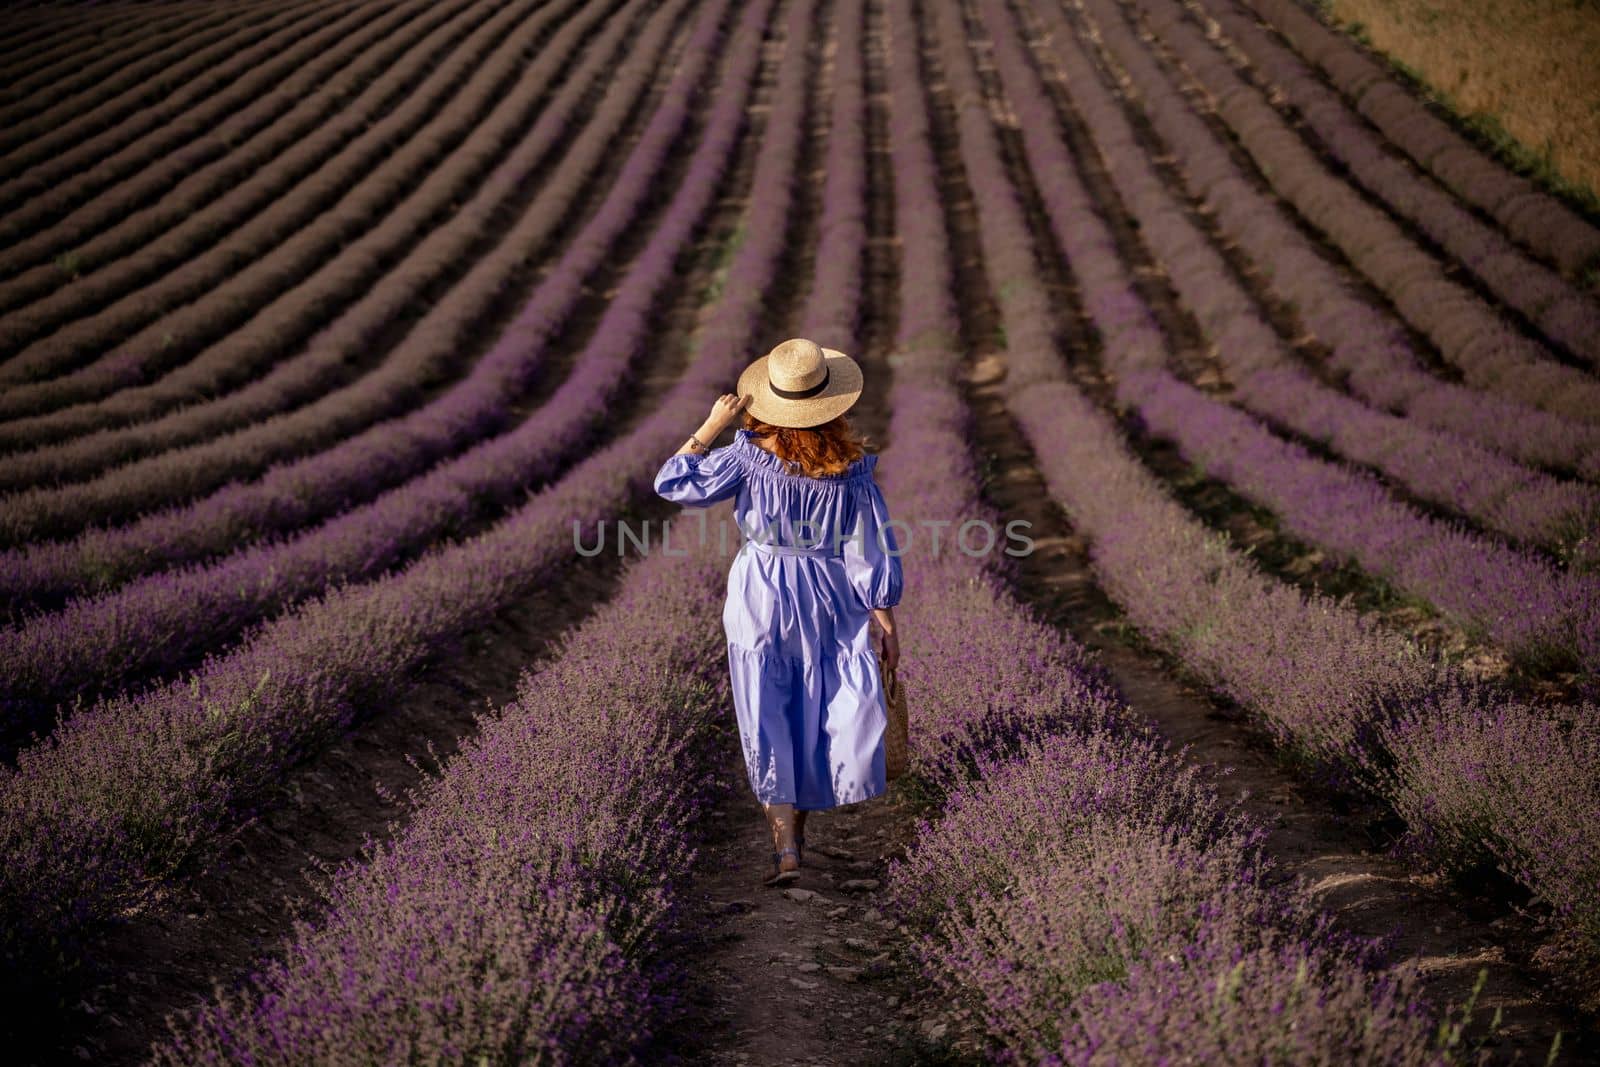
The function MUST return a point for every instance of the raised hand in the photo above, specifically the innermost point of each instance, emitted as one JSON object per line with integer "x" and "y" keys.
{"x": 723, "y": 413}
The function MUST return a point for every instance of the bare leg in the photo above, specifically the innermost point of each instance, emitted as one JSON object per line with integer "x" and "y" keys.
{"x": 800, "y": 832}
{"x": 781, "y": 818}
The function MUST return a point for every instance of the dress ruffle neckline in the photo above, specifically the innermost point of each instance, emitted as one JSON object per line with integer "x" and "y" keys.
{"x": 755, "y": 456}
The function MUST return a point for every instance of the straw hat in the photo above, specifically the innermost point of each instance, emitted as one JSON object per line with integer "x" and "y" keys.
{"x": 801, "y": 384}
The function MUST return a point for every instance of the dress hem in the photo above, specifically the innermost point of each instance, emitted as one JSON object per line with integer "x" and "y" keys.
{"x": 828, "y": 807}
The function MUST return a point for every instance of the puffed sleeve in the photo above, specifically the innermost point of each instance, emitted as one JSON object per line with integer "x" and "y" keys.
{"x": 699, "y": 480}
{"x": 872, "y": 558}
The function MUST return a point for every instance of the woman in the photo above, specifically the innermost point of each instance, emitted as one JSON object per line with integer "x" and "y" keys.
{"x": 819, "y": 565}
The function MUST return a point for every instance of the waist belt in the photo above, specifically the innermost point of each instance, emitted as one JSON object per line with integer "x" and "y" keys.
{"x": 815, "y": 552}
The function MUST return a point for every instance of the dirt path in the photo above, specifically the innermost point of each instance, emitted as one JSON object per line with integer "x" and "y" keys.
{"x": 815, "y": 973}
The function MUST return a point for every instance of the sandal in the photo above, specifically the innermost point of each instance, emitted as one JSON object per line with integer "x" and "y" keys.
{"x": 779, "y": 875}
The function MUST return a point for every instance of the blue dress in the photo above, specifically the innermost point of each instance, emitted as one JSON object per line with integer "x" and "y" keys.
{"x": 818, "y": 555}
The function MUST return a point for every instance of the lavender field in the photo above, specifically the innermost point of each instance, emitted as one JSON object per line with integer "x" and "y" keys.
{"x": 331, "y": 329}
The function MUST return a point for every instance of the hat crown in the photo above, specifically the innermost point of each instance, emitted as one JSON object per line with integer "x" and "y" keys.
{"x": 796, "y": 364}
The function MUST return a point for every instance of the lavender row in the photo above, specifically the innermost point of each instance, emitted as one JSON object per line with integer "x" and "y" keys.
{"x": 1094, "y": 902}
{"x": 1537, "y": 612}
{"x": 34, "y": 44}
{"x": 1073, "y": 852}
{"x": 1329, "y": 684}
{"x": 1490, "y": 352}
{"x": 833, "y": 307}
{"x": 69, "y": 138}
{"x": 1342, "y": 692}
{"x": 96, "y": 819}
{"x": 147, "y": 332}
{"x": 1535, "y": 218}
{"x": 156, "y": 248}
{"x": 466, "y": 191}
{"x": 155, "y": 626}
{"x": 156, "y": 44}
{"x": 331, "y": 75}
{"x": 986, "y": 675}
{"x": 48, "y": 63}
{"x": 40, "y": 38}
{"x": 55, "y": 333}
{"x": 1545, "y": 618}
{"x": 1439, "y": 467}
{"x": 294, "y": 494}
{"x": 1559, "y": 310}
{"x": 1365, "y": 344}
{"x": 521, "y": 914}
{"x": 56, "y": 91}
{"x": 36, "y": 48}
{"x": 68, "y": 56}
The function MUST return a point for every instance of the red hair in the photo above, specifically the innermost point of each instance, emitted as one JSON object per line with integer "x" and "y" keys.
{"x": 817, "y": 451}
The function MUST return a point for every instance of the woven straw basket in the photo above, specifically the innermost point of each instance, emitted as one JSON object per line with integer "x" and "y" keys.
{"x": 896, "y": 739}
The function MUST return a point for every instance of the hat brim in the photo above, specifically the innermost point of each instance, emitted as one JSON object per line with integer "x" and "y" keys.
{"x": 842, "y": 391}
